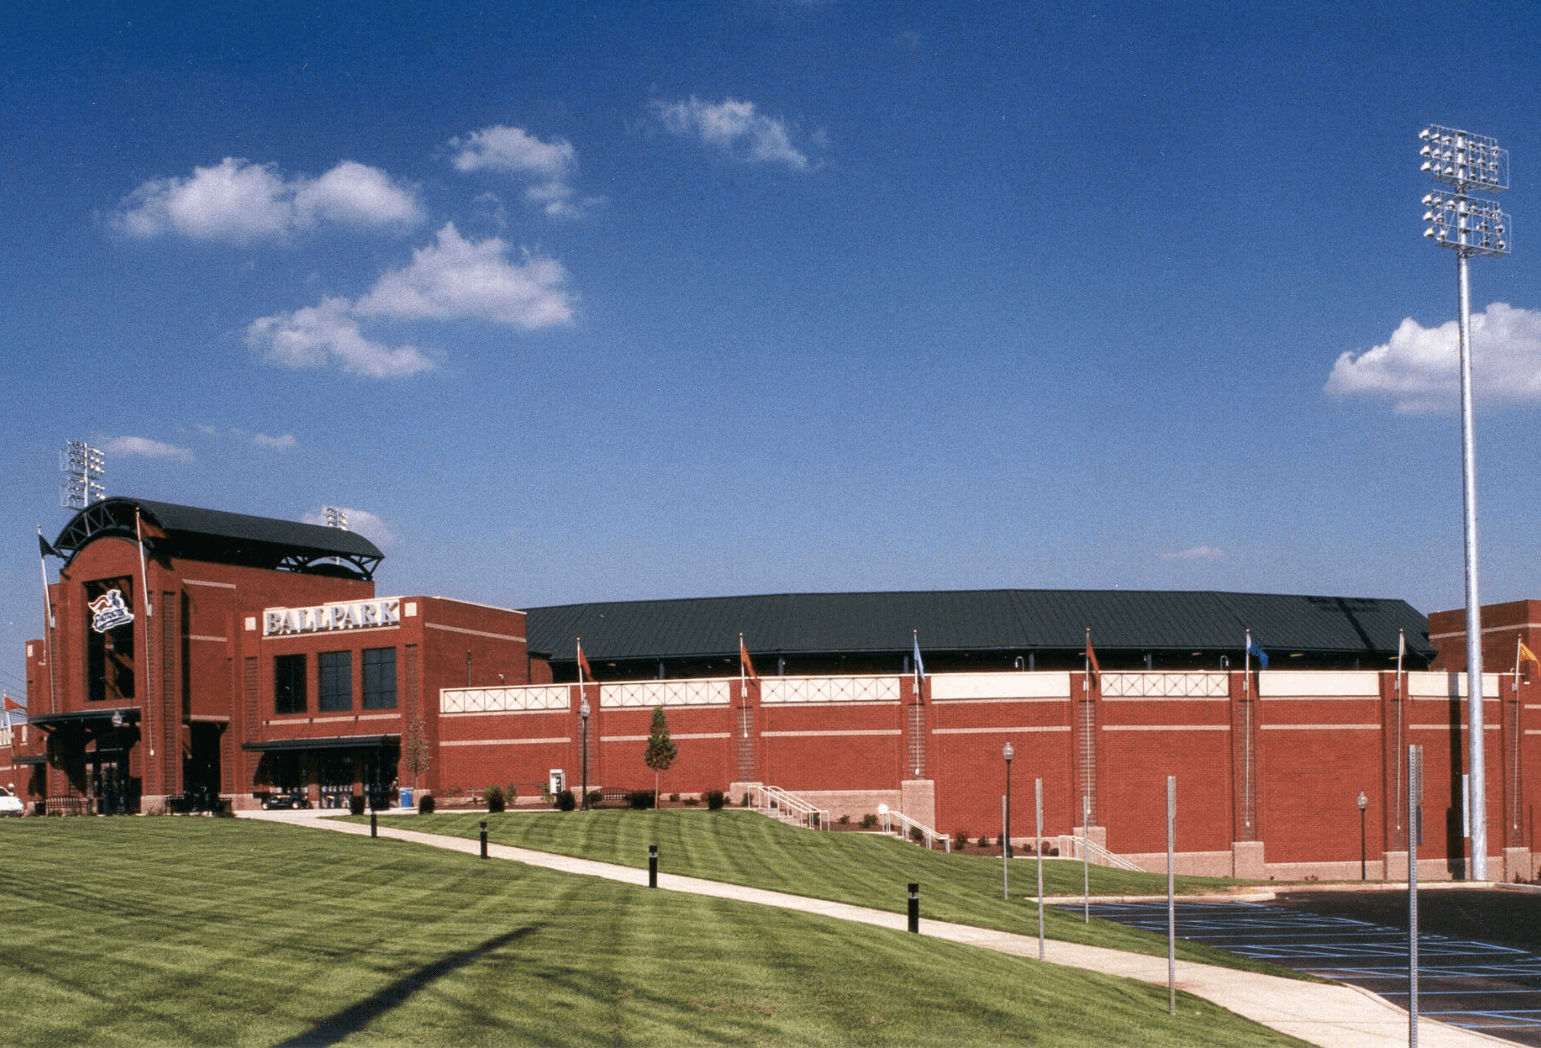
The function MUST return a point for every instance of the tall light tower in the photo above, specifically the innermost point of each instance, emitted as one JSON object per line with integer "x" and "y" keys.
{"x": 336, "y": 517}
{"x": 1470, "y": 226}
{"x": 84, "y": 465}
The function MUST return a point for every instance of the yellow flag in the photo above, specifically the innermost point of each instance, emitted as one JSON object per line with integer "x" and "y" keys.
{"x": 1526, "y": 655}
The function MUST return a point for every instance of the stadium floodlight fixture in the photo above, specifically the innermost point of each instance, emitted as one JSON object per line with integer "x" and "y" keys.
{"x": 1469, "y": 226}
{"x": 1464, "y": 160}
{"x": 336, "y": 517}
{"x": 85, "y": 465}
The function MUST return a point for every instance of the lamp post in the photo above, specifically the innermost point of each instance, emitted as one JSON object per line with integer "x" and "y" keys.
{"x": 1007, "y": 752}
{"x": 583, "y": 711}
{"x": 1469, "y": 226}
{"x": 1364, "y": 802}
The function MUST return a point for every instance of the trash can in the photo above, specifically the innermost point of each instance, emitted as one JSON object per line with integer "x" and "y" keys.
{"x": 406, "y": 796}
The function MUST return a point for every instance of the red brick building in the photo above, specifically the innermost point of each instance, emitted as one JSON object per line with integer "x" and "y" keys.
{"x": 195, "y": 654}
{"x": 264, "y": 663}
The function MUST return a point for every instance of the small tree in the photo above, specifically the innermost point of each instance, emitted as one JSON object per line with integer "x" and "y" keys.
{"x": 415, "y": 751}
{"x": 661, "y": 750}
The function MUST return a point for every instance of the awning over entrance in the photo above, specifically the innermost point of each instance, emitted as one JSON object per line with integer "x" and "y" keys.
{"x": 49, "y": 721}
{"x": 329, "y": 742}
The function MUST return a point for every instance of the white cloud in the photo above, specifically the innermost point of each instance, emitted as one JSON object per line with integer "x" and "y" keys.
{"x": 1419, "y": 367}
{"x": 1196, "y": 553}
{"x": 735, "y": 128}
{"x": 357, "y": 195}
{"x": 280, "y": 443}
{"x": 144, "y": 447}
{"x": 239, "y": 201}
{"x": 317, "y": 335}
{"x": 452, "y": 278}
{"x": 361, "y": 521}
{"x": 472, "y": 278}
{"x": 512, "y": 150}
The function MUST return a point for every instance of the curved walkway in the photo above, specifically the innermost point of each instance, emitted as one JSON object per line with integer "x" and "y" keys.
{"x": 1333, "y": 1016}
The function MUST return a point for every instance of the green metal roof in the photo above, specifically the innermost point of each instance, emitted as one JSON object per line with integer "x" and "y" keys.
{"x": 223, "y": 538}
{"x": 978, "y": 620}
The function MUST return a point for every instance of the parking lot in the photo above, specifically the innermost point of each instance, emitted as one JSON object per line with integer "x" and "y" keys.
{"x": 1479, "y": 951}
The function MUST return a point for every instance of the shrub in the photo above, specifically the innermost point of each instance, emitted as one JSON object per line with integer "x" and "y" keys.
{"x": 844, "y": 820}
{"x": 674, "y": 798}
{"x": 426, "y": 804}
{"x": 566, "y": 801}
{"x": 916, "y": 834}
{"x": 596, "y": 798}
{"x": 960, "y": 839}
{"x": 639, "y": 800}
{"x": 984, "y": 842}
{"x": 715, "y": 799}
{"x": 493, "y": 797}
{"x": 356, "y": 804}
{"x": 868, "y": 821}
{"x": 745, "y": 802}
{"x": 510, "y": 794}
{"x": 691, "y": 802}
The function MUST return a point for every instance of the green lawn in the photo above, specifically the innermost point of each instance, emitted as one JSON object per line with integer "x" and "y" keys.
{"x": 178, "y": 931}
{"x": 742, "y": 847}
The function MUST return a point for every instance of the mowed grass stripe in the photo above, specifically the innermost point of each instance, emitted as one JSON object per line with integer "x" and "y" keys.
{"x": 739, "y": 847}
{"x": 232, "y": 932}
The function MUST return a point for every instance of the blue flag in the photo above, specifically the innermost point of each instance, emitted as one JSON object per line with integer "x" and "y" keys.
{"x": 920, "y": 667}
{"x": 1253, "y": 649}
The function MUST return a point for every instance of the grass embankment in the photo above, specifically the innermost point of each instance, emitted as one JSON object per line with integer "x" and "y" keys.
{"x": 181, "y": 931}
{"x": 740, "y": 847}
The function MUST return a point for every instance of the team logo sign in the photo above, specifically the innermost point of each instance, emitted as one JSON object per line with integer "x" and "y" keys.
{"x": 109, "y": 612}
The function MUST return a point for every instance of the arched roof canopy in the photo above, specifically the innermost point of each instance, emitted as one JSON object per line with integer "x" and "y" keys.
{"x": 218, "y": 537}
{"x": 973, "y": 628}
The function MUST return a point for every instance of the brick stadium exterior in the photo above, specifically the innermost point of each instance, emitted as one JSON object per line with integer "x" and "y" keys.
{"x": 1269, "y": 764}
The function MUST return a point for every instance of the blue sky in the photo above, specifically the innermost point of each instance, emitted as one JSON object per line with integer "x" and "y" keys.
{"x": 572, "y": 301}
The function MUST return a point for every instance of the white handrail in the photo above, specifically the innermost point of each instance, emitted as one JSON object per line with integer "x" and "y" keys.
{"x": 907, "y": 824}
{"x": 788, "y": 807}
{"x": 1098, "y": 854}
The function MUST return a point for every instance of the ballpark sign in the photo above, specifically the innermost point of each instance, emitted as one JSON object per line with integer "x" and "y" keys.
{"x": 329, "y": 618}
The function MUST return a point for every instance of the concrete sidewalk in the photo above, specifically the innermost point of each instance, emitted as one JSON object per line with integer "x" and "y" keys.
{"x": 1332, "y": 1016}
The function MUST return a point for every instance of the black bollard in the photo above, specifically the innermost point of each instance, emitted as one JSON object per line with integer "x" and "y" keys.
{"x": 652, "y": 865}
{"x": 374, "y": 829}
{"x": 915, "y": 908}
{"x": 484, "y": 838}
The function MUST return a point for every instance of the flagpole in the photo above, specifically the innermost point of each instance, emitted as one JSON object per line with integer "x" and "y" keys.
{"x": 144, "y": 574}
{"x": 1517, "y": 643}
{"x": 48, "y": 623}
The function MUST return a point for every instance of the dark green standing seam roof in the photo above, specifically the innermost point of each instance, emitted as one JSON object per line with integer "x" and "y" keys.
{"x": 222, "y": 538}
{"x": 1121, "y": 621}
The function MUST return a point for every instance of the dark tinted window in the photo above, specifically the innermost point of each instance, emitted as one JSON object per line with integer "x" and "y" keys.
{"x": 380, "y": 678}
{"x": 289, "y": 684}
{"x": 336, "y": 679}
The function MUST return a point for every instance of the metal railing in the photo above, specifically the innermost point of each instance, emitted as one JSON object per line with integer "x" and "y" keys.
{"x": 1070, "y": 848}
{"x": 788, "y": 807}
{"x": 908, "y": 825}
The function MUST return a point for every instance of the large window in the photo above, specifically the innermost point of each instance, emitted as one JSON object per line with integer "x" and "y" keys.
{"x": 289, "y": 684}
{"x": 379, "y": 678}
{"x": 336, "y": 673}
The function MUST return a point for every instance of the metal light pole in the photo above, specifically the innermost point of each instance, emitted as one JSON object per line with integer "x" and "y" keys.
{"x": 1008, "y": 752}
{"x": 584, "y": 711}
{"x": 1470, "y": 226}
{"x": 1364, "y": 802}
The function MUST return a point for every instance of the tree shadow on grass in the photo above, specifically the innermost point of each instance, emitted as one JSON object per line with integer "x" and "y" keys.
{"x": 331, "y": 1030}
